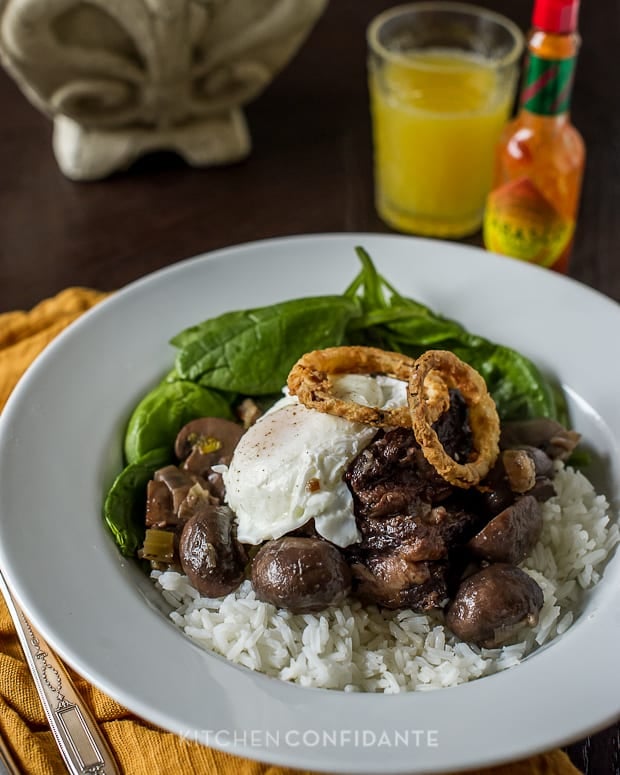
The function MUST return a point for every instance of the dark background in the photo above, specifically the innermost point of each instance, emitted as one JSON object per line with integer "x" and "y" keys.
{"x": 310, "y": 171}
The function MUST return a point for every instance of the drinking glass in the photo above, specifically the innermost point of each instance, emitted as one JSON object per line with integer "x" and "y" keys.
{"x": 442, "y": 82}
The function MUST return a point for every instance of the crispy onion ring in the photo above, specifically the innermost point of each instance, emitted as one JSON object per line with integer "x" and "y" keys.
{"x": 440, "y": 365}
{"x": 309, "y": 380}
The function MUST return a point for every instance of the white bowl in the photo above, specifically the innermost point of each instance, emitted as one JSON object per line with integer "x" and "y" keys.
{"x": 60, "y": 447}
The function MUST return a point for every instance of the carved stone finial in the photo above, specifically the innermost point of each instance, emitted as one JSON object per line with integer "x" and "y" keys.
{"x": 121, "y": 78}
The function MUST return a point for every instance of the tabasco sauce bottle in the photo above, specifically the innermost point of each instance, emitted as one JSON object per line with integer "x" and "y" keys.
{"x": 532, "y": 208}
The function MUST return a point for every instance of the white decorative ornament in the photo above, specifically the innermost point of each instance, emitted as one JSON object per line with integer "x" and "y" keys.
{"x": 121, "y": 78}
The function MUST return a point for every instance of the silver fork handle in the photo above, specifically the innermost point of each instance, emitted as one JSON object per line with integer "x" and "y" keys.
{"x": 84, "y": 750}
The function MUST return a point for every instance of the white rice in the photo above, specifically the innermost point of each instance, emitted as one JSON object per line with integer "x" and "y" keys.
{"x": 361, "y": 648}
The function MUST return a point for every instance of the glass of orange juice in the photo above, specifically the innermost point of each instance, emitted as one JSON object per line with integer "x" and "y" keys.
{"x": 442, "y": 81}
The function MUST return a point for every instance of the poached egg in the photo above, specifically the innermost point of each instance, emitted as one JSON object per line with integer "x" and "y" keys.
{"x": 288, "y": 467}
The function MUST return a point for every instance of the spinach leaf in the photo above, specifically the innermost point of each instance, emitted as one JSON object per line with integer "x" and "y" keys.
{"x": 123, "y": 509}
{"x": 252, "y": 351}
{"x": 160, "y": 415}
{"x": 389, "y": 317}
{"x": 518, "y": 388}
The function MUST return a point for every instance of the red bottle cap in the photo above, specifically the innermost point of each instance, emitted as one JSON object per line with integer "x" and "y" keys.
{"x": 556, "y": 16}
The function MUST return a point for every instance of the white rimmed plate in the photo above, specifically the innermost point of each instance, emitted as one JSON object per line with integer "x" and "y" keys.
{"x": 60, "y": 446}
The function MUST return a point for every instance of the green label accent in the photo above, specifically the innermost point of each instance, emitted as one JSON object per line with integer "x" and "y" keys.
{"x": 548, "y": 85}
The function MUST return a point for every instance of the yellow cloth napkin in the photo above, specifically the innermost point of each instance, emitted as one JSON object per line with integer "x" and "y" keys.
{"x": 140, "y": 748}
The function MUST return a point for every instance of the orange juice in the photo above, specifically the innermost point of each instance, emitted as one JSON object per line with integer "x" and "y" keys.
{"x": 437, "y": 116}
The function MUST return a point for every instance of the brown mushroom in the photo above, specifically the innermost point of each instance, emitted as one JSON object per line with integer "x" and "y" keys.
{"x": 512, "y": 534}
{"x": 492, "y": 605}
{"x": 541, "y": 432}
{"x": 210, "y": 555}
{"x": 206, "y": 441}
{"x": 301, "y": 574}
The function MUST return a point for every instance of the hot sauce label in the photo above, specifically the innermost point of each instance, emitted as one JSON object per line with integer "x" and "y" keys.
{"x": 548, "y": 84}
{"x": 521, "y": 222}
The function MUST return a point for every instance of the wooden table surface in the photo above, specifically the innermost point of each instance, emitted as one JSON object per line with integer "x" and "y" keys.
{"x": 310, "y": 171}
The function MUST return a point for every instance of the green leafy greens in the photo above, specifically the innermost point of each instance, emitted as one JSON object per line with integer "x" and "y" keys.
{"x": 123, "y": 510}
{"x": 250, "y": 353}
{"x": 394, "y": 322}
{"x": 156, "y": 420}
